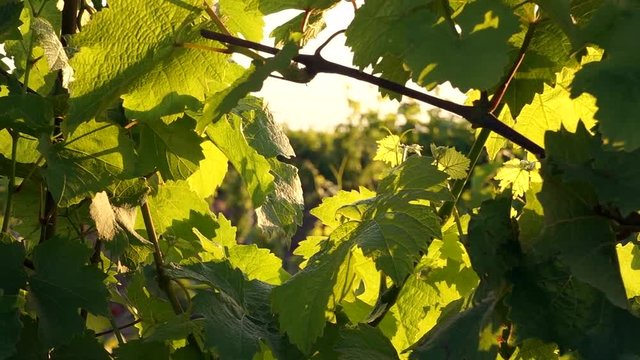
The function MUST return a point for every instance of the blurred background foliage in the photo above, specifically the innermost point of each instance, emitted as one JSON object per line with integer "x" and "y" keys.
{"x": 342, "y": 159}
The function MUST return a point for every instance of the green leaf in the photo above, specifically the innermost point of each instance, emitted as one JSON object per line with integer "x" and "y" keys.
{"x": 417, "y": 177}
{"x": 175, "y": 210}
{"x": 286, "y": 32}
{"x": 210, "y": 172}
{"x": 469, "y": 334}
{"x": 281, "y": 213}
{"x": 242, "y": 17}
{"x": 578, "y": 315}
{"x": 452, "y": 162}
{"x": 236, "y": 317}
{"x": 549, "y": 50}
{"x": 613, "y": 176}
{"x": 327, "y": 211}
{"x": 531, "y": 220}
{"x": 261, "y": 130}
{"x": 396, "y": 234}
{"x": 554, "y": 108}
{"x": 59, "y": 288}
{"x": 10, "y": 20}
{"x": 138, "y": 349}
{"x": 615, "y": 77}
{"x": 27, "y": 113}
{"x": 536, "y": 349}
{"x": 27, "y": 152}
{"x": 440, "y": 278}
{"x": 172, "y": 149}
{"x": 493, "y": 248}
{"x": 270, "y": 7}
{"x": 304, "y": 302}
{"x": 148, "y": 71}
{"x": 89, "y": 160}
{"x": 84, "y": 346}
{"x": 389, "y": 150}
{"x": 496, "y": 142}
{"x": 308, "y": 247}
{"x": 47, "y": 37}
{"x": 255, "y": 263}
{"x": 254, "y": 168}
{"x": 628, "y": 257}
{"x": 144, "y": 295}
{"x": 410, "y": 30}
{"x": 28, "y": 52}
{"x": 225, "y": 100}
{"x": 365, "y": 341}
{"x": 588, "y": 246}
{"x": 519, "y": 175}
{"x": 12, "y": 279}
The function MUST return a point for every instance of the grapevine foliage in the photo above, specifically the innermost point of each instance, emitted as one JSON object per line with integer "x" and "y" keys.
{"x": 118, "y": 124}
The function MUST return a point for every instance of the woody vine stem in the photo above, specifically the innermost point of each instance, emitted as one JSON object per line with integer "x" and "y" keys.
{"x": 479, "y": 115}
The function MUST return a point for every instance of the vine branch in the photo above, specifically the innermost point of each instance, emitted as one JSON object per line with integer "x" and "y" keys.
{"x": 163, "y": 279}
{"x": 122, "y": 327}
{"x": 315, "y": 64}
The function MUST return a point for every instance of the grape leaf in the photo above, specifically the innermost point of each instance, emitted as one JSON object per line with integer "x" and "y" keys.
{"x": 365, "y": 341}
{"x": 628, "y": 256}
{"x": 281, "y": 212}
{"x": 304, "y": 301}
{"x": 416, "y": 177}
{"x": 396, "y": 234}
{"x": 493, "y": 249}
{"x": 440, "y": 278}
{"x": 553, "y": 108}
{"x": 327, "y": 210}
{"x": 27, "y": 50}
{"x": 210, "y": 172}
{"x": 389, "y": 150}
{"x": 235, "y": 317}
{"x": 468, "y": 334}
{"x": 242, "y": 17}
{"x": 147, "y": 71}
{"x": 175, "y": 210}
{"x": 225, "y": 100}
{"x": 254, "y": 168}
{"x": 411, "y": 29}
{"x": 452, "y": 162}
{"x": 270, "y": 7}
{"x": 614, "y": 78}
{"x": 138, "y": 349}
{"x": 254, "y": 262}
{"x": 548, "y": 52}
{"x": 59, "y": 288}
{"x": 84, "y": 346}
{"x": 10, "y": 20}
{"x": 315, "y": 24}
{"x": 588, "y": 246}
{"x": 173, "y": 149}
{"x": 12, "y": 279}
{"x": 88, "y": 161}
{"x": 144, "y": 295}
{"x": 27, "y": 113}
{"x": 261, "y": 130}
{"x": 518, "y": 174}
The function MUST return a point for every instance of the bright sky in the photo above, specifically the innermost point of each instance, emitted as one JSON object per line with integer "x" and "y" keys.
{"x": 322, "y": 103}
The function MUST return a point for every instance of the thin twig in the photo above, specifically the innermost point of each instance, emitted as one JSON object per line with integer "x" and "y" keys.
{"x": 128, "y": 325}
{"x": 11, "y": 187}
{"x": 319, "y": 49}
{"x": 502, "y": 89}
{"x": 477, "y": 116}
{"x": 163, "y": 279}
